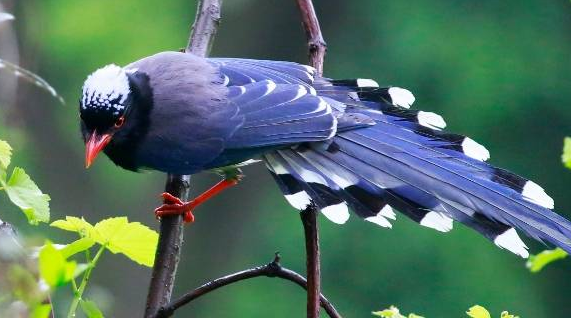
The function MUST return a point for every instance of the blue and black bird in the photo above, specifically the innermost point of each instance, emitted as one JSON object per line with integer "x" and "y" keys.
{"x": 341, "y": 145}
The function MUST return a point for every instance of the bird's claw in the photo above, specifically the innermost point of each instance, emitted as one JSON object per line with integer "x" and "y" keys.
{"x": 174, "y": 206}
{"x": 171, "y": 199}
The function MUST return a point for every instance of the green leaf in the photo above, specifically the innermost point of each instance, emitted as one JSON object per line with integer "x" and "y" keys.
{"x": 41, "y": 311}
{"x": 391, "y": 312}
{"x": 566, "y": 157}
{"x": 536, "y": 262}
{"x": 74, "y": 224}
{"x": 77, "y": 246}
{"x": 506, "y": 314}
{"x": 90, "y": 309}
{"x": 478, "y": 312}
{"x": 134, "y": 240}
{"x": 24, "y": 193}
{"x": 55, "y": 270}
{"x": 5, "y": 155}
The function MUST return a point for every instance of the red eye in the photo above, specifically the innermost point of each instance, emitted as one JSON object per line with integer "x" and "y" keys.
{"x": 119, "y": 122}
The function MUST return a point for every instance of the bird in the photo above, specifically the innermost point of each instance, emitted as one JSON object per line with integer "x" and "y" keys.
{"x": 344, "y": 146}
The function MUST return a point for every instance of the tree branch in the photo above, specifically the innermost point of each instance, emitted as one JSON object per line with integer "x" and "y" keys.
{"x": 273, "y": 269}
{"x": 317, "y": 48}
{"x": 204, "y": 28}
{"x": 312, "y": 261}
{"x": 171, "y": 230}
{"x": 315, "y": 42}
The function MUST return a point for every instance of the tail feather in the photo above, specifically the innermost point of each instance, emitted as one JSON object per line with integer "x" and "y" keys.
{"x": 385, "y": 155}
{"x": 315, "y": 188}
{"x": 431, "y": 213}
{"x": 372, "y": 202}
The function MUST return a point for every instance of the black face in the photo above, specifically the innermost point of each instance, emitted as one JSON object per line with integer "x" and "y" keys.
{"x": 103, "y": 115}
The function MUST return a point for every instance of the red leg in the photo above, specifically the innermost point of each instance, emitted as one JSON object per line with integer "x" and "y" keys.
{"x": 174, "y": 206}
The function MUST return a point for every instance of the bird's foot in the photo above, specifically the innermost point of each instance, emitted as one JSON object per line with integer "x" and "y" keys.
{"x": 174, "y": 206}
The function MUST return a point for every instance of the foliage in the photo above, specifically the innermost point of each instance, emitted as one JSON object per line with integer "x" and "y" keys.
{"x": 393, "y": 312}
{"x": 566, "y": 157}
{"x": 536, "y": 262}
{"x": 33, "y": 277}
{"x": 478, "y": 311}
{"x": 20, "y": 292}
{"x": 90, "y": 309}
{"x": 55, "y": 270}
{"x": 475, "y": 311}
{"x": 134, "y": 240}
{"x": 21, "y": 190}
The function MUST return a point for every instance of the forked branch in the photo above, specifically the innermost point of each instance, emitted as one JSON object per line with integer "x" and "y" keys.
{"x": 273, "y": 269}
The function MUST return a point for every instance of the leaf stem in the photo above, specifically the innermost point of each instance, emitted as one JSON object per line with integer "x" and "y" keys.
{"x": 74, "y": 286}
{"x": 85, "y": 280}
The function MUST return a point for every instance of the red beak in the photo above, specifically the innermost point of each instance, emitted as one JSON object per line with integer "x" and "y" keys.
{"x": 94, "y": 145}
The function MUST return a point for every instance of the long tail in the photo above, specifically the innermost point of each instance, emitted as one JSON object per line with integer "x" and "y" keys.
{"x": 406, "y": 162}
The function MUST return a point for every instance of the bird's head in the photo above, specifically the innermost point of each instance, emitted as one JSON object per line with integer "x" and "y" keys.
{"x": 104, "y": 106}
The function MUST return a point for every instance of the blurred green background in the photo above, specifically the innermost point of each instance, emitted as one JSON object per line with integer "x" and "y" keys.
{"x": 498, "y": 71}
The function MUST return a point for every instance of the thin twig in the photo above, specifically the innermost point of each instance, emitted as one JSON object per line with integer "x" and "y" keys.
{"x": 317, "y": 48}
{"x": 315, "y": 42}
{"x": 273, "y": 269}
{"x": 171, "y": 230}
{"x": 204, "y": 28}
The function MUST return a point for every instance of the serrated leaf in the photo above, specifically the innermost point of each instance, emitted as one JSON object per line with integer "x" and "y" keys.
{"x": 30, "y": 77}
{"x": 478, "y": 312}
{"x": 41, "y": 311}
{"x": 5, "y": 155}
{"x": 24, "y": 193}
{"x": 77, "y": 246}
{"x": 566, "y": 157}
{"x": 134, "y": 240}
{"x": 55, "y": 270}
{"x": 90, "y": 309}
{"x": 5, "y": 17}
{"x": 536, "y": 262}
{"x": 74, "y": 224}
